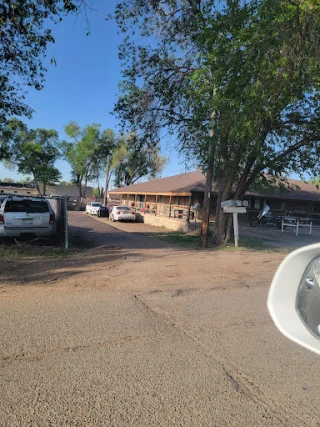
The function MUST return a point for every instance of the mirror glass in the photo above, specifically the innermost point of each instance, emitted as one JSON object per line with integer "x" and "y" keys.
{"x": 308, "y": 298}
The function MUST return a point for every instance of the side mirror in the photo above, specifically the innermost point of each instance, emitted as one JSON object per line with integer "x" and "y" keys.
{"x": 294, "y": 297}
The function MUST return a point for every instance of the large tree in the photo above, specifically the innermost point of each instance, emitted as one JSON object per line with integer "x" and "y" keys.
{"x": 33, "y": 151}
{"x": 86, "y": 151}
{"x": 130, "y": 161}
{"x": 24, "y": 38}
{"x": 236, "y": 84}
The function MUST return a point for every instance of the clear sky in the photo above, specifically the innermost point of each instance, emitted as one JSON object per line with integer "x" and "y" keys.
{"x": 83, "y": 86}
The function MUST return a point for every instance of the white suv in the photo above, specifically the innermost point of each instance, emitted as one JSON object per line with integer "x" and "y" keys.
{"x": 26, "y": 216}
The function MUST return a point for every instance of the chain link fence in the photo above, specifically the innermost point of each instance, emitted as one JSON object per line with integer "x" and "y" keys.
{"x": 38, "y": 221}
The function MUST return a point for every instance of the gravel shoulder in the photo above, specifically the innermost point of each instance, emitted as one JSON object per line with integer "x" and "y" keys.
{"x": 139, "y": 332}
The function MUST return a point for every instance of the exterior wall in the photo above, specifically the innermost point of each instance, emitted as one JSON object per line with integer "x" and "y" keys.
{"x": 179, "y": 208}
{"x": 169, "y": 223}
{"x": 58, "y": 190}
{"x": 66, "y": 190}
{"x": 23, "y": 191}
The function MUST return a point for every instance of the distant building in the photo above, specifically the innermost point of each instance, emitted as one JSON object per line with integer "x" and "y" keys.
{"x": 66, "y": 190}
{"x": 31, "y": 189}
{"x": 18, "y": 188}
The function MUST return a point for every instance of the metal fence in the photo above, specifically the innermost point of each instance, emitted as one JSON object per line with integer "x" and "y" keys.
{"x": 60, "y": 209}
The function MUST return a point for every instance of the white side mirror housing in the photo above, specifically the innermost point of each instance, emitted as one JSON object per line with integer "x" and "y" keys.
{"x": 294, "y": 297}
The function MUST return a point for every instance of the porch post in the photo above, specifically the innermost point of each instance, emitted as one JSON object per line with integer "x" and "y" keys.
{"x": 170, "y": 207}
{"x": 189, "y": 210}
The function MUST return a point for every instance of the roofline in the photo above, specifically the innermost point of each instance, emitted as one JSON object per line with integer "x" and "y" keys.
{"x": 168, "y": 193}
{"x": 182, "y": 194}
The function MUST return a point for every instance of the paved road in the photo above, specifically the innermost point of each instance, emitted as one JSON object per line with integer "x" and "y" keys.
{"x": 154, "y": 336}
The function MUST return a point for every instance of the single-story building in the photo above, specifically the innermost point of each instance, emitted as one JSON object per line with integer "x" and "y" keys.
{"x": 173, "y": 198}
{"x": 18, "y": 188}
{"x": 31, "y": 189}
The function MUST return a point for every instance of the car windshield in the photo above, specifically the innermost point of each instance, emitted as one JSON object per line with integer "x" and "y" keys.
{"x": 29, "y": 206}
{"x": 96, "y": 205}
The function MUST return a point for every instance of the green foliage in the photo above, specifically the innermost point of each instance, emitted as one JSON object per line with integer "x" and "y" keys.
{"x": 87, "y": 152}
{"x": 131, "y": 162}
{"x": 32, "y": 151}
{"x": 24, "y": 38}
{"x": 235, "y": 83}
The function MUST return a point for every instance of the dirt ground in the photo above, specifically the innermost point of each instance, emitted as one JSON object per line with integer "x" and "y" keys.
{"x": 139, "y": 332}
{"x": 127, "y": 252}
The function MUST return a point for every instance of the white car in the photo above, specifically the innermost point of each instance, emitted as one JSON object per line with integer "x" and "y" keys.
{"x": 93, "y": 208}
{"x": 119, "y": 213}
{"x": 23, "y": 216}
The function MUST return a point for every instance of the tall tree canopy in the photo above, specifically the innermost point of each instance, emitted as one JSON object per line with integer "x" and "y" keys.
{"x": 33, "y": 151}
{"x": 235, "y": 83}
{"x": 24, "y": 37}
{"x": 131, "y": 162}
{"x": 86, "y": 151}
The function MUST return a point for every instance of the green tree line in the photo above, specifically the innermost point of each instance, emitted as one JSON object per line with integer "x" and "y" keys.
{"x": 90, "y": 152}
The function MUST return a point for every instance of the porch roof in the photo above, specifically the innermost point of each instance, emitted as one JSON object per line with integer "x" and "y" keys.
{"x": 194, "y": 182}
{"x": 183, "y": 185}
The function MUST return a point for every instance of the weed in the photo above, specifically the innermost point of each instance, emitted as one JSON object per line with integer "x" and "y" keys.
{"x": 42, "y": 248}
{"x": 192, "y": 242}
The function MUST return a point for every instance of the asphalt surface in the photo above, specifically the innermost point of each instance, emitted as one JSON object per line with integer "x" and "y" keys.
{"x": 151, "y": 336}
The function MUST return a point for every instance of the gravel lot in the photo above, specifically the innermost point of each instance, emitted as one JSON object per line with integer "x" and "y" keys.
{"x": 137, "y": 332}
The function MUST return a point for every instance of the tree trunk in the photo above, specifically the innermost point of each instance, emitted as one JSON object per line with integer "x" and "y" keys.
{"x": 206, "y": 208}
{"x": 38, "y": 187}
{"x": 84, "y": 188}
{"x": 106, "y": 188}
{"x": 80, "y": 187}
{"x": 208, "y": 187}
{"x": 222, "y": 224}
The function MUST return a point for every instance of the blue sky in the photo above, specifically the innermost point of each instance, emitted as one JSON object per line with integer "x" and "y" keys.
{"x": 83, "y": 86}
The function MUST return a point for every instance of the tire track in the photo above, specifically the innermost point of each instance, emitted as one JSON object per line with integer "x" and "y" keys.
{"x": 239, "y": 380}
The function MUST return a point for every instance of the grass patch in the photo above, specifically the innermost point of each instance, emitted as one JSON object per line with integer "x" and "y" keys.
{"x": 250, "y": 244}
{"x": 45, "y": 248}
{"x": 180, "y": 239}
{"x": 78, "y": 242}
{"x": 192, "y": 242}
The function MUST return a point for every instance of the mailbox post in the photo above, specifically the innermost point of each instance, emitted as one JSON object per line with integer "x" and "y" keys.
{"x": 235, "y": 207}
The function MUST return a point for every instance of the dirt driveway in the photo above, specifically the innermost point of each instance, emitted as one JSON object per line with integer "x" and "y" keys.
{"x": 271, "y": 236}
{"x": 137, "y": 332}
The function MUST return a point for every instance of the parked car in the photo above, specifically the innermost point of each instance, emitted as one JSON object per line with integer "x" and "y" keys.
{"x": 120, "y": 213}
{"x": 93, "y": 208}
{"x": 26, "y": 216}
{"x": 103, "y": 211}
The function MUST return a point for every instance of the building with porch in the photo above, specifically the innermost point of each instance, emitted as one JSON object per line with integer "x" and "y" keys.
{"x": 170, "y": 201}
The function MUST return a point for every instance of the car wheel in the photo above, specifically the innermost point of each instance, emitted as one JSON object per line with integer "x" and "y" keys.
{"x": 112, "y": 218}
